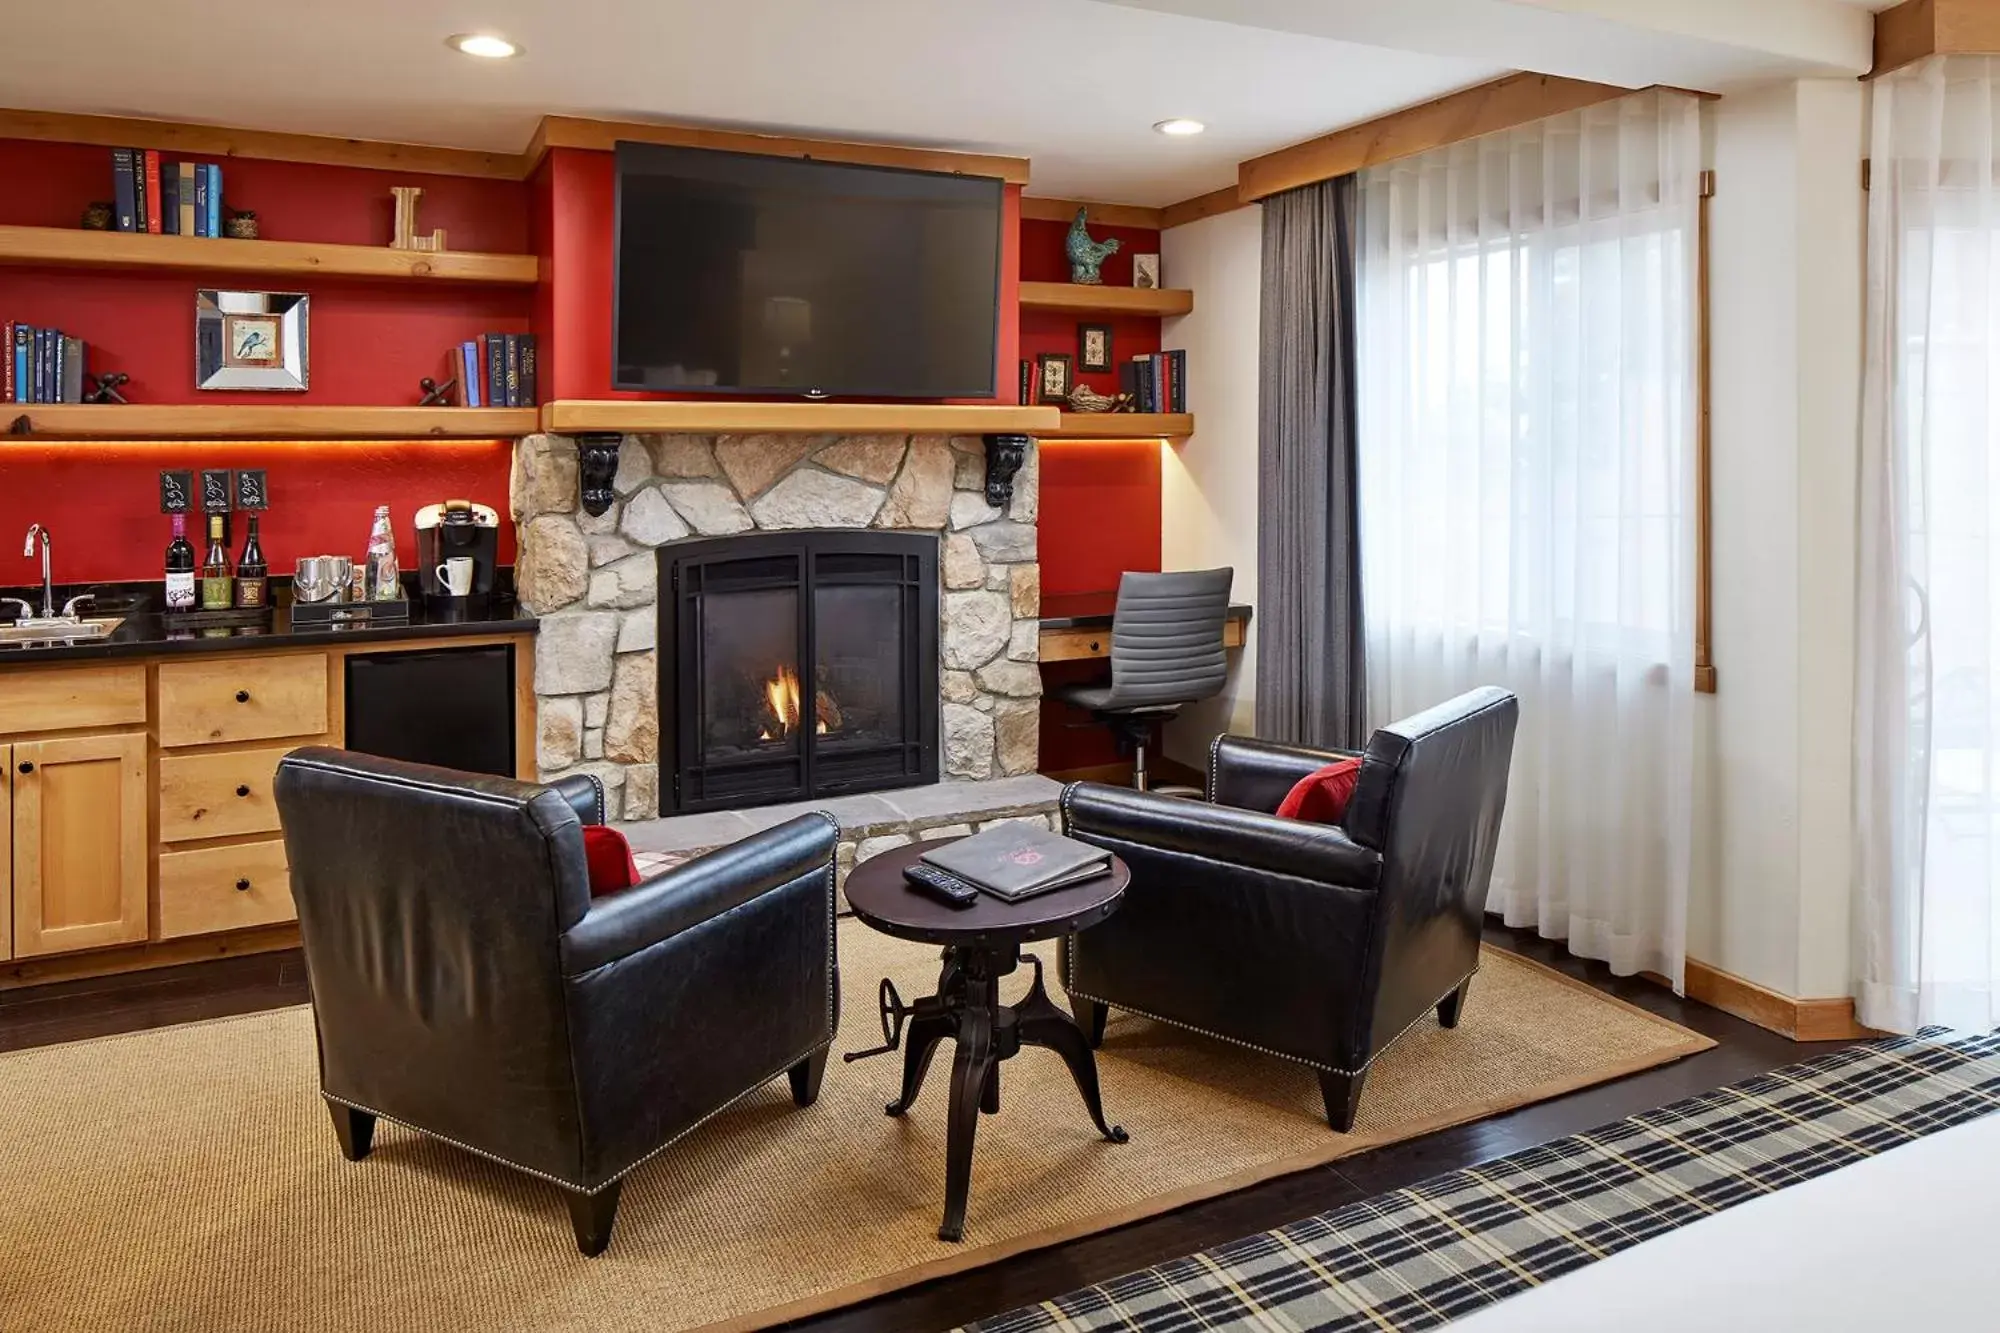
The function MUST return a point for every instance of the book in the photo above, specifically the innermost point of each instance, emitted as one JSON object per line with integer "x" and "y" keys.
{"x": 23, "y": 377}
{"x": 528, "y": 398}
{"x": 201, "y": 186}
{"x": 125, "y": 190}
{"x": 468, "y": 375}
{"x": 58, "y": 365}
{"x": 214, "y": 200}
{"x": 1177, "y": 360}
{"x": 186, "y": 170}
{"x": 512, "y": 359}
{"x": 7, "y": 369}
{"x": 1015, "y": 861}
{"x": 139, "y": 191}
{"x": 1028, "y": 381}
{"x": 170, "y": 199}
{"x": 44, "y": 366}
{"x": 493, "y": 377}
{"x": 71, "y": 379}
{"x": 153, "y": 200}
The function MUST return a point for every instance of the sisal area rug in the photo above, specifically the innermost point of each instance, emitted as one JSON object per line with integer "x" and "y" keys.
{"x": 188, "y": 1178}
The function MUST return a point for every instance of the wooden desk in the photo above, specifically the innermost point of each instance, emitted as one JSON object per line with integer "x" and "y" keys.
{"x": 1076, "y": 626}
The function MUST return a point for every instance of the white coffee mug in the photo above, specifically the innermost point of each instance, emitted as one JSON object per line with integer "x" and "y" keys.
{"x": 456, "y": 575}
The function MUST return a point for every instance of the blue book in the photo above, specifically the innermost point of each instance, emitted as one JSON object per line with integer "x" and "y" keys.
{"x": 201, "y": 191}
{"x": 24, "y": 380}
{"x": 170, "y": 199}
{"x": 42, "y": 366}
{"x": 495, "y": 380}
{"x": 214, "y": 200}
{"x": 468, "y": 352}
{"x": 125, "y": 190}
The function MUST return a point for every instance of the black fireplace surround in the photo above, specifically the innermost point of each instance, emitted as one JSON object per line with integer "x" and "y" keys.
{"x": 797, "y": 665}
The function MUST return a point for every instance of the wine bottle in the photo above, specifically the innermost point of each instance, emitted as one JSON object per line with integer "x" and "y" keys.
{"x": 216, "y": 593}
{"x": 251, "y": 571}
{"x": 180, "y": 568}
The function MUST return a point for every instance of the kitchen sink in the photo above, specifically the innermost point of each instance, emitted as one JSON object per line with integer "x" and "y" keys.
{"x": 46, "y": 632}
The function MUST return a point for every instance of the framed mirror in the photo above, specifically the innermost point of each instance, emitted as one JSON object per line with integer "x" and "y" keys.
{"x": 251, "y": 340}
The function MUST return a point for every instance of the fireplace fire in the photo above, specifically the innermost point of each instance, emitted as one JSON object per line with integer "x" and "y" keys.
{"x": 752, "y": 620}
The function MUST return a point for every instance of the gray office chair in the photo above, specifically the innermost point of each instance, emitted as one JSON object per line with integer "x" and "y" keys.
{"x": 1166, "y": 652}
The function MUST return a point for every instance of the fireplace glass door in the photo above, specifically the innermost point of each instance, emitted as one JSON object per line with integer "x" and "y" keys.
{"x": 798, "y": 665}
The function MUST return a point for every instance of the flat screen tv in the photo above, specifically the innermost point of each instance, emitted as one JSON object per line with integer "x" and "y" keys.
{"x": 773, "y": 275}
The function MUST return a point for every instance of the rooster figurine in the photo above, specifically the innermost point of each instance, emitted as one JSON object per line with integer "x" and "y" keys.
{"x": 1085, "y": 254}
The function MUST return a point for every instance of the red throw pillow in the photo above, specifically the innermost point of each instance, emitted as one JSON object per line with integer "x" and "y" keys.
{"x": 610, "y": 859}
{"x": 1321, "y": 796}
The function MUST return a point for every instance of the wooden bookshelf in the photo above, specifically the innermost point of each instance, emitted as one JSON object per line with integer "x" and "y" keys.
{"x": 722, "y": 417}
{"x": 1075, "y": 298}
{"x": 67, "y": 248}
{"x": 1121, "y": 426}
{"x": 278, "y": 421}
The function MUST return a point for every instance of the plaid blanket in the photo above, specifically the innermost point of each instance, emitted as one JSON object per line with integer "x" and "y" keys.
{"x": 1419, "y": 1257}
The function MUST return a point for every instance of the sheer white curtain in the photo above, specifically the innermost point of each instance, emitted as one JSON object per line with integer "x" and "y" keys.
{"x": 1927, "y": 683}
{"x": 1527, "y": 441}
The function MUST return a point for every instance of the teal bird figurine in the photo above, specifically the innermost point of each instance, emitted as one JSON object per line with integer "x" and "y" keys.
{"x": 1085, "y": 254}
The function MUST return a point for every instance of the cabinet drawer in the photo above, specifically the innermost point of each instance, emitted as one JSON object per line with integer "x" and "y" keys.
{"x": 218, "y": 795}
{"x": 57, "y": 698}
{"x": 242, "y": 699}
{"x": 224, "y": 888}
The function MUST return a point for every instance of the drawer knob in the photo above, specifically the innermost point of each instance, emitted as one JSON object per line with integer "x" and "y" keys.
{"x": 243, "y": 886}
{"x": 243, "y": 696}
{"x": 242, "y": 791}
{"x": 27, "y": 767}
{"x": 1096, "y": 647}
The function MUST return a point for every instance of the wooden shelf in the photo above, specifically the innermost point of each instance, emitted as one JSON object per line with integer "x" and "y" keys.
{"x": 1075, "y": 298}
{"x": 722, "y": 417}
{"x": 1121, "y": 426}
{"x": 278, "y": 421}
{"x": 59, "y": 247}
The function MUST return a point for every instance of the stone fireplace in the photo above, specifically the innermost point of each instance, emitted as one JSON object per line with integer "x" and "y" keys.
{"x": 595, "y": 582}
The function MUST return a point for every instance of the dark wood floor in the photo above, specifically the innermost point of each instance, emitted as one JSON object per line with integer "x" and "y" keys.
{"x": 77, "y": 1010}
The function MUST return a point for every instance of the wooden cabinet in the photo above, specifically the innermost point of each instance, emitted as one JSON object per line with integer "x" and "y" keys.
{"x": 58, "y": 698}
{"x": 219, "y": 793}
{"x": 79, "y": 826}
{"x": 250, "y": 698}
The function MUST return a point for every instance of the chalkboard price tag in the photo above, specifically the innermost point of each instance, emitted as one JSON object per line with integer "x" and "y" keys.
{"x": 215, "y": 490}
{"x": 250, "y": 493}
{"x": 176, "y": 492}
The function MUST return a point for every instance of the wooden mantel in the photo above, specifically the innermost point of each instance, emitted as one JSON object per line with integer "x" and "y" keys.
{"x": 572, "y": 416}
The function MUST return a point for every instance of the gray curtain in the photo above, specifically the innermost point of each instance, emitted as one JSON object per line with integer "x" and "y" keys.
{"x": 1311, "y": 677}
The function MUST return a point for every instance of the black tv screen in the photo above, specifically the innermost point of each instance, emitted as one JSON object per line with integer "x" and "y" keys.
{"x": 777, "y": 275}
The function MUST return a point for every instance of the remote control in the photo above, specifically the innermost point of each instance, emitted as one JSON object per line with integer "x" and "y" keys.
{"x": 940, "y": 885}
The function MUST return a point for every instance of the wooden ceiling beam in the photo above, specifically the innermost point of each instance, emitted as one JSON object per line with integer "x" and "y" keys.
{"x": 1917, "y": 29}
{"x": 1518, "y": 99}
{"x": 217, "y": 141}
{"x": 1224, "y": 200}
{"x": 1038, "y": 209}
{"x": 603, "y": 135}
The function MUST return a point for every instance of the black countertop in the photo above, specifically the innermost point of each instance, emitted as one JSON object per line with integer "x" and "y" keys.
{"x": 1092, "y": 610}
{"x": 148, "y": 632}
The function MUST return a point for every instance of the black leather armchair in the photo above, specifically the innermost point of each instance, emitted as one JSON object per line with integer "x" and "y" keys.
{"x": 1317, "y": 943}
{"x": 465, "y": 984}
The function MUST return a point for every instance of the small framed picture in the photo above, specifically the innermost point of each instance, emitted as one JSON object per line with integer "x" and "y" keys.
{"x": 1145, "y": 270}
{"x": 1052, "y": 374}
{"x": 1093, "y": 346}
{"x": 251, "y": 340}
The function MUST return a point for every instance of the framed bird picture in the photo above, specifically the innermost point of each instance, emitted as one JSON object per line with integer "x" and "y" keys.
{"x": 251, "y": 340}
{"x": 1052, "y": 375}
{"x": 1093, "y": 347}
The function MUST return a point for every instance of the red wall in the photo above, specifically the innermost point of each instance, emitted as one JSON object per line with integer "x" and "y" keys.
{"x": 102, "y": 501}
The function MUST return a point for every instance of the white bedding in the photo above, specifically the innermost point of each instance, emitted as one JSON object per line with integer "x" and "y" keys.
{"x": 1906, "y": 1241}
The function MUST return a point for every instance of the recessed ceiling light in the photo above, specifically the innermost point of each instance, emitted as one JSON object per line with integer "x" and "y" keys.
{"x": 483, "y": 44}
{"x": 1180, "y": 125}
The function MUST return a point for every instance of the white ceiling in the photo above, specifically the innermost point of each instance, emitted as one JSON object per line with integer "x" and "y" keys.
{"x": 1075, "y": 85}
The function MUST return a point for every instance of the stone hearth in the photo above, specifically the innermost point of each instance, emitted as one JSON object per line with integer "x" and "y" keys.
{"x": 593, "y": 580}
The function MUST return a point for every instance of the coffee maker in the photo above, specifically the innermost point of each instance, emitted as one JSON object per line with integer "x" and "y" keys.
{"x": 457, "y": 528}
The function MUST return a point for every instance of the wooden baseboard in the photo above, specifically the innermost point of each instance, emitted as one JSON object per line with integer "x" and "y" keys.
{"x": 138, "y": 957}
{"x": 1801, "y": 1020}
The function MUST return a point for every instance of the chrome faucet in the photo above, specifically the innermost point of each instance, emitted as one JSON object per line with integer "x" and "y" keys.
{"x": 48, "y": 587}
